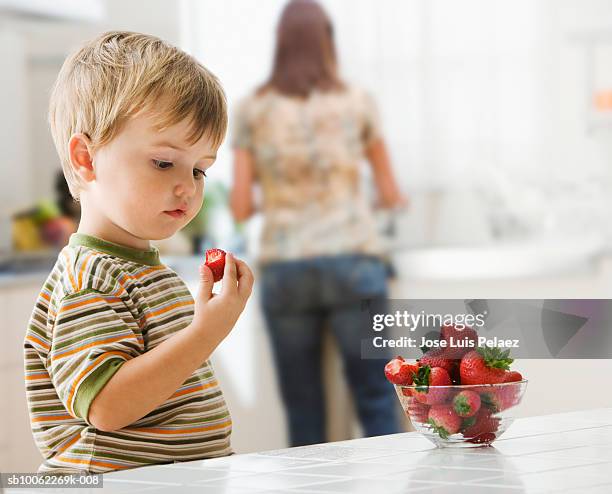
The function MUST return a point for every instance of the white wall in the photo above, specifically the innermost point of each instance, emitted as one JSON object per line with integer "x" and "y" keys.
{"x": 480, "y": 97}
{"x": 33, "y": 50}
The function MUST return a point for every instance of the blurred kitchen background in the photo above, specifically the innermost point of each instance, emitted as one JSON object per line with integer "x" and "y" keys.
{"x": 498, "y": 116}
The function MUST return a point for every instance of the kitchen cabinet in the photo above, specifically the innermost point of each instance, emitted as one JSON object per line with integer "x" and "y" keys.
{"x": 18, "y": 453}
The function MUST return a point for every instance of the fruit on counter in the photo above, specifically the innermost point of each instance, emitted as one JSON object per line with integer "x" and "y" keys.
{"x": 427, "y": 379}
{"x": 417, "y": 411}
{"x": 466, "y": 391}
{"x": 513, "y": 376}
{"x": 45, "y": 210}
{"x": 486, "y": 365}
{"x": 444, "y": 420}
{"x": 57, "y": 231}
{"x": 500, "y": 398}
{"x": 398, "y": 371}
{"x": 459, "y": 341}
{"x": 466, "y": 403}
{"x": 439, "y": 357}
{"x": 481, "y": 428}
{"x": 215, "y": 260}
{"x": 26, "y": 235}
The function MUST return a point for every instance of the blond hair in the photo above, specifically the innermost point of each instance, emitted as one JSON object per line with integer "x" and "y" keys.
{"x": 115, "y": 76}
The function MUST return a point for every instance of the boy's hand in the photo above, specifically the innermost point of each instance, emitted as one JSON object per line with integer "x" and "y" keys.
{"x": 216, "y": 314}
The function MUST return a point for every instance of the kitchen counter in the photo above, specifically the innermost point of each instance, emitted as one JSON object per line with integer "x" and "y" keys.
{"x": 569, "y": 452}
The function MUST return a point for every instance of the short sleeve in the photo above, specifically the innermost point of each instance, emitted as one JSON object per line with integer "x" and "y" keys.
{"x": 94, "y": 334}
{"x": 241, "y": 128}
{"x": 371, "y": 120}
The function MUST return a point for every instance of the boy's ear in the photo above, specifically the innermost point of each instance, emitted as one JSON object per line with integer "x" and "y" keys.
{"x": 81, "y": 157}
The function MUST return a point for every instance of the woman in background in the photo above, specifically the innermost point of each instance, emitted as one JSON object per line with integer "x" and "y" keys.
{"x": 302, "y": 136}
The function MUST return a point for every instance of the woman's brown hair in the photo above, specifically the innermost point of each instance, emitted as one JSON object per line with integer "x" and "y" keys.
{"x": 305, "y": 57}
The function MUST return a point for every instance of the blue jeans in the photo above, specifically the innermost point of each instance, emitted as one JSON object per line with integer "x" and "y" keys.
{"x": 300, "y": 299}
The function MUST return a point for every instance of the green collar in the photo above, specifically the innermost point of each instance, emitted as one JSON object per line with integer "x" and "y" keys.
{"x": 149, "y": 257}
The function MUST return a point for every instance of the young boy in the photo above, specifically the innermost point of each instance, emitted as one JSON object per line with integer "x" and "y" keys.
{"x": 116, "y": 351}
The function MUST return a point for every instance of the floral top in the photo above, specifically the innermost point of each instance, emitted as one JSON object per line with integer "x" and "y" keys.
{"x": 307, "y": 154}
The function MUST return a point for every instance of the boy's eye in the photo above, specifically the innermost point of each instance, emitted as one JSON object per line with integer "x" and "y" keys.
{"x": 199, "y": 174}
{"x": 162, "y": 164}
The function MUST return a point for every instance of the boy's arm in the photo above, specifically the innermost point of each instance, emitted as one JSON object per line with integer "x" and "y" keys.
{"x": 146, "y": 381}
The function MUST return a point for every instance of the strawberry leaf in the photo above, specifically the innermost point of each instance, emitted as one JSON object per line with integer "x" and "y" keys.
{"x": 468, "y": 422}
{"x": 495, "y": 358}
{"x": 441, "y": 431}
{"x": 421, "y": 378}
{"x": 462, "y": 407}
{"x": 489, "y": 402}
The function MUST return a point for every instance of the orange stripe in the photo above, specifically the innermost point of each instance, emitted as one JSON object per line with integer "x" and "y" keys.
{"x": 45, "y": 296}
{"x": 35, "y": 377}
{"x": 68, "y": 270}
{"x": 76, "y": 437}
{"x": 182, "y": 431}
{"x": 34, "y": 339}
{"x": 46, "y": 418}
{"x": 169, "y": 308}
{"x": 110, "y": 465}
{"x": 80, "y": 376}
{"x": 88, "y": 301}
{"x": 192, "y": 390}
{"x": 96, "y": 463}
{"x": 93, "y": 344}
{"x": 146, "y": 272}
{"x": 83, "y": 265}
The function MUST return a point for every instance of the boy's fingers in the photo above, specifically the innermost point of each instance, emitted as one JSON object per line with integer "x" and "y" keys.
{"x": 245, "y": 278}
{"x": 229, "y": 274}
{"x": 206, "y": 283}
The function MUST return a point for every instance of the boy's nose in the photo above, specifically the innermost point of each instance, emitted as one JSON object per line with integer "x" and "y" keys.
{"x": 185, "y": 187}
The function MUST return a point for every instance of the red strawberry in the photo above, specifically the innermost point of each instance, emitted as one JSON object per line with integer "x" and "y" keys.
{"x": 427, "y": 379}
{"x": 466, "y": 403}
{"x": 500, "y": 398}
{"x": 481, "y": 428}
{"x": 438, "y": 357}
{"x": 417, "y": 412}
{"x": 468, "y": 422}
{"x": 454, "y": 373}
{"x": 484, "y": 366}
{"x": 444, "y": 420}
{"x": 513, "y": 376}
{"x": 215, "y": 260}
{"x": 460, "y": 341}
{"x": 398, "y": 371}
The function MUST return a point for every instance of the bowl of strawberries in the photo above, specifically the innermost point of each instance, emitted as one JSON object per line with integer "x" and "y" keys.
{"x": 461, "y": 395}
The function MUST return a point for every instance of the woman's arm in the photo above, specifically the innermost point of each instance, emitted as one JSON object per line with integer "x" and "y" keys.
{"x": 241, "y": 199}
{"x": 388, "y": 190}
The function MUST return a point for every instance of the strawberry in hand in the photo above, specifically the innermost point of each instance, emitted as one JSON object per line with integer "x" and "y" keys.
{"x": 215, "y": 260}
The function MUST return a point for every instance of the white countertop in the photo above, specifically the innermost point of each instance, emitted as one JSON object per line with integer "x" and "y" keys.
{"x": 569, "y": 452}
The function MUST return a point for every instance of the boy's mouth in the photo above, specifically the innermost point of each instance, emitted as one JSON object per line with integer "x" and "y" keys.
{"x": 176, "y": 213}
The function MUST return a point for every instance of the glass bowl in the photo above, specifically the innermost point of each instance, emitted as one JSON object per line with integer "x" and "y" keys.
{"x": 433, "y": 411}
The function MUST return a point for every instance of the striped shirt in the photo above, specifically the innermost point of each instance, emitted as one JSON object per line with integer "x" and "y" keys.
{"x": 102, "y": 305}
